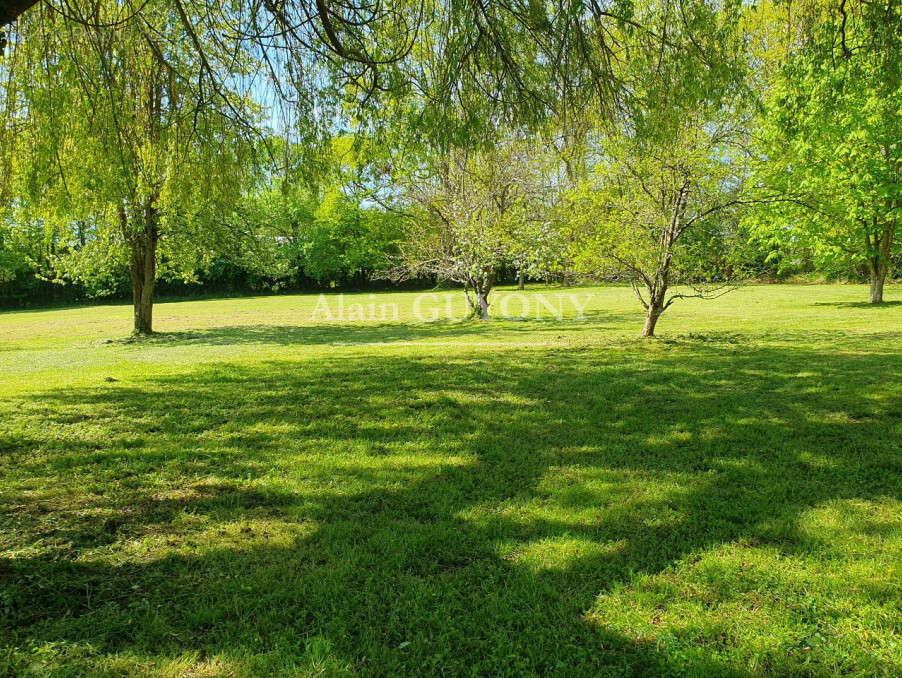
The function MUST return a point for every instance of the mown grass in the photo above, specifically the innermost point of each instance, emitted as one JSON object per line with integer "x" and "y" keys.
{"x": 256, "y": 494}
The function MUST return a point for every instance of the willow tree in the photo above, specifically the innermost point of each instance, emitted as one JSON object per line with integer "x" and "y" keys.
{"x": 520, "y": 54}
{"x": 122, "y": 148}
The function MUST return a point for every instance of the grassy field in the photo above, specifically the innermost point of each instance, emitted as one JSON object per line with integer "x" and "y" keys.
{"x": 257, "y": 492}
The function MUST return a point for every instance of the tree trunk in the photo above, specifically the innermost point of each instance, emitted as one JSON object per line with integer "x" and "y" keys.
{"x": 481, "y": 289}
{"x": 880, "y": 247}
{"x": 657, "y": 301}
{"x": 482, "y": 301}
{"x": 521, "y": 281}
{"x": 657, "y": 286}
{"x": 143, "y": 269}
{"x": 879, "y": 270}
{"x": 651, "y": 319}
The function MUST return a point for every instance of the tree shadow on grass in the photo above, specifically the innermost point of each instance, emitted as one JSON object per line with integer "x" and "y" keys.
{"x": 371, "y": 333}
{"x": 428, "y": 516}
{"x": 858, "y": 304}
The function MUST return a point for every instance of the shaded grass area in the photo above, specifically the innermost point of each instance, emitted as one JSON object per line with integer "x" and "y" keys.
{"x": 704, "y": 506}
{"x": 372, "y": 333}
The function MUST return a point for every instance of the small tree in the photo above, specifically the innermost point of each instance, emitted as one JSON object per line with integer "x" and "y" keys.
{"x": 634, "y": 216}
{"x": 668, "y": 162}
{"x": 465, "y": 217}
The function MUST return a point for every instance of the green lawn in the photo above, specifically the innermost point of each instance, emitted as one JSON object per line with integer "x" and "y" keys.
{"x": 253, "y": 493}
